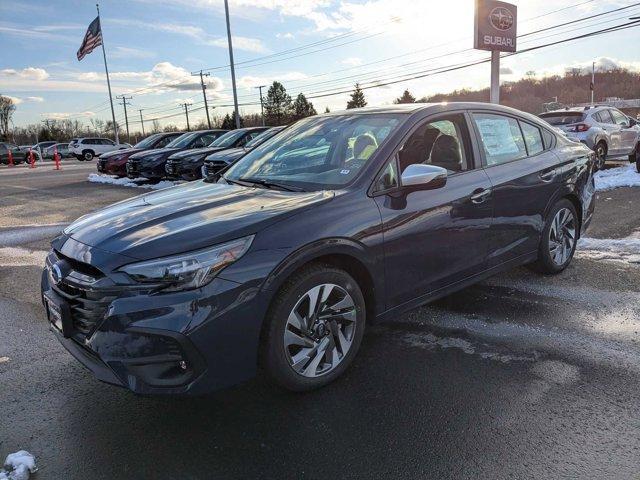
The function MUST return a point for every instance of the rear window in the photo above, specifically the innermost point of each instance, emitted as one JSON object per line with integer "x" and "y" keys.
{"x": 563, "y": 118}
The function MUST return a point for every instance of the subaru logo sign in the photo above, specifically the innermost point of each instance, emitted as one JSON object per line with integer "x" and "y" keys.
{"x": 495, "y": 26}
{"x": 501, "y": 18}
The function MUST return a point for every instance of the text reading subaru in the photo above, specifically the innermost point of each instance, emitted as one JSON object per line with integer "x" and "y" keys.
{"x": 281, "y": 260}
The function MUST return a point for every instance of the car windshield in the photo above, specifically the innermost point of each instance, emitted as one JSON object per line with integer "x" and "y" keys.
{"x": 316, "y": 153}
{"x": 263, "y": 137}
{"x": 183, "y": 140}
{"x": 228, "y": 139}
{"x": 147, "y": 142}
{"x": 562, "y": 118}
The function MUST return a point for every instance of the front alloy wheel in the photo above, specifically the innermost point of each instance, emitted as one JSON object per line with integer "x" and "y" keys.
{"x": 314, "y": 328}
{"x": 320, "y": 330}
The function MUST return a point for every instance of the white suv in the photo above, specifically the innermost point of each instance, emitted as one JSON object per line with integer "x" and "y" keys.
{"x": 87, "y": 148}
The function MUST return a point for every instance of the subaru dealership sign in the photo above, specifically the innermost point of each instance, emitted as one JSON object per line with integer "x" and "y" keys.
{"x": 495, "y": 26}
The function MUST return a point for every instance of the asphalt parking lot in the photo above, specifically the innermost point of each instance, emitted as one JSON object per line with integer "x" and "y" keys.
{"x": 521, "y": 376}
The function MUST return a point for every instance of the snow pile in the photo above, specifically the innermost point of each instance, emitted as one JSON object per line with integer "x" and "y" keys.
{"x": 18, "y": 466}
{"x": 128, "y": 182}
{"x": 625, "y": 176}
{"x": 617, "y": 249}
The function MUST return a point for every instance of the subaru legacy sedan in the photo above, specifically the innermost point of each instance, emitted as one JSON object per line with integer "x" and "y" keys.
{"x": 280, "y": 262}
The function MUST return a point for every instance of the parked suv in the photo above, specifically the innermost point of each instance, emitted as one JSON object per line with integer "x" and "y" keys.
{"x": 150, "y": 164}
{"x": 605, "y": 130}
{"x": 16, "y": 153}
{"x": 88, "y": 148}
{"x": 338, "y": 222}
{"x": 187, "y": 165}
{"x": 115, "y": 163}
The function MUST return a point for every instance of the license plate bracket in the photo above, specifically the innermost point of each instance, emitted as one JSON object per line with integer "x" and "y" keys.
{"x": 58, "y": 313}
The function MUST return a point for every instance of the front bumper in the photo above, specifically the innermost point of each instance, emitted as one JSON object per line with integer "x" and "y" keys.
{"x": 148, "y": 171}
{"x": 181, "y": 343}
{"x": 180, "y": 170}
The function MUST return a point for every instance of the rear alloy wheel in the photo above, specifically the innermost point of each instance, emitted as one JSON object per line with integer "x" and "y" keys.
{"x": 315, "y": 328}
{"x": 87, "y": 155}
{"x": 559, "y": 238}
{"x": 601, "y": 154}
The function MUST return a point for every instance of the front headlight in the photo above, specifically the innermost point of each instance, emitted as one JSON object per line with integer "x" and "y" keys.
{"x": 190, "y": 270}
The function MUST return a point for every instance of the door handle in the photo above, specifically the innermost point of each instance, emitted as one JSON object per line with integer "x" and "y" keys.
{"x": 548, "y": 175}
{"x": 480, "y": 195}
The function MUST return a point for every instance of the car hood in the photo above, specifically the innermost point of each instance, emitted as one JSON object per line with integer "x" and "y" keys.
{"x": 117, "y": 153}
{"x": 193, "y": 152}
{"x": 154, "y": 151}
{"x": 228, "y": 155}
{"x": 187, "y": 217}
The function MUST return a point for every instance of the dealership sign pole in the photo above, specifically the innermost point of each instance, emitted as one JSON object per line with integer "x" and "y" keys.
{"x": 495, "y": 29}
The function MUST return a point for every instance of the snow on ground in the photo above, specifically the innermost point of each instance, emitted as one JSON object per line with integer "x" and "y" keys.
{"x": 625, "y": 176}
{"x": 127, "y": 182}
{"x": 18, "y": 466}
{"x": 618, "y": 249}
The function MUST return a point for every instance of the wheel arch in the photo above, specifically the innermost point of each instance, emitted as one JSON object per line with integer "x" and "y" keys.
{"x": 342, "y": 253}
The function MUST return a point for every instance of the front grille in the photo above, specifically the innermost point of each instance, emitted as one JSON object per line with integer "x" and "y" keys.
{"x": 87, "y": 303}
{"x": 214, "y": 167}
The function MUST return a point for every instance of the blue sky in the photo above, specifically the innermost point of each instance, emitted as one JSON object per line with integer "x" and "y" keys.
{"x": 154, "y": 45}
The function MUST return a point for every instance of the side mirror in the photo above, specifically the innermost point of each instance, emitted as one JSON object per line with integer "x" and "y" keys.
{"x": 419, "y": 176}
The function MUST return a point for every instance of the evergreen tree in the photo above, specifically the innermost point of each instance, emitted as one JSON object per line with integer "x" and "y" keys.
{"x": 229, "y": 122}
{"x": 277, "y": 105}
{"x": 406, "y": 97}
{"x": 302, "y": 107}
{"x": 357, "y": 98}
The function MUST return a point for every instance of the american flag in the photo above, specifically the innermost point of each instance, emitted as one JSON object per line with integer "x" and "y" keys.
{"x": 92, "y": 39}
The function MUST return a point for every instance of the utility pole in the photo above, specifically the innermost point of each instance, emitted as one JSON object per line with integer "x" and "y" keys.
{"x": 186, "y": 112}
{"x": 233, "y": 70}
{"x": 260, "y": 87}
{"x": 126, "y": 119}
{"x": 593, "y": 80}
{"x": 204, "y": 94}
{"x": 141, "y": 121}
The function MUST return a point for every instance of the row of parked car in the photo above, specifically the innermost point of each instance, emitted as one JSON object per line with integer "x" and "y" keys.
{"x": 184, "y": 156}
{"x": 80, "y": 148}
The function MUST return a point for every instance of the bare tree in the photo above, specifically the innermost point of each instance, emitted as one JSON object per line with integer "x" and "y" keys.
{"x": 7, "y": 108}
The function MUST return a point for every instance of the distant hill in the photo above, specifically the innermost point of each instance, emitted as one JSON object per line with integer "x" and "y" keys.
{"x": 531, "y": 93}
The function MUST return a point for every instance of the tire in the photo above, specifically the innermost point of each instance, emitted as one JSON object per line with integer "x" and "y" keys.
{"x": 638, "y": 162}
{"x": 294, "y": 363}
{"x": 556, "y": 251}
{"x": 601, "y": 154}
{"x": 88, "y": 155}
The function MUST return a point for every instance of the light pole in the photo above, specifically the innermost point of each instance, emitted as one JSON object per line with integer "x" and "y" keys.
{"x": 186, "y": 112}
{"x": 260, "y": 87}
{"x": 141, "y": 121}
{"x": 233, "y": 70}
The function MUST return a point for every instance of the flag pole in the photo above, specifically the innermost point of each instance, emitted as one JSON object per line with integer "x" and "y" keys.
{"x": 106, "y": 69}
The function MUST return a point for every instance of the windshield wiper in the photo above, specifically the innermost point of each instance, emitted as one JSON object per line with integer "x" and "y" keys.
{"x": 269, "y": 184}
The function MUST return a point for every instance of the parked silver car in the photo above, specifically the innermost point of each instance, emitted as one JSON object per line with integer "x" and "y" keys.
{"x": 606, "y": 130}
{"x": 63, "y": 151}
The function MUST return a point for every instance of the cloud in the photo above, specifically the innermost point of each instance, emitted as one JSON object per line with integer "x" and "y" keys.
{"x": 19, "y": 100}
{"x": 128, "y": 52}
{"x": 164, "y": 76}
{"x": 34, "y": 99}
{"x": 352, "y": 61}
{"x": 66, "y": 115}
{"x": 197, "y": 34}
{"x": 506, "y": 71}
{"x": 29, "y": 73}
{"x": 603, "y": 64}
{"x": 287, "y": 35}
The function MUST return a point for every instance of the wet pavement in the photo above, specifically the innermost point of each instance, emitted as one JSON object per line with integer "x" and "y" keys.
{"x": 520, "y": 376}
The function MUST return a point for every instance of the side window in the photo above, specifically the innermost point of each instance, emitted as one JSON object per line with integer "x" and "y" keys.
{"x": 548, "y": 138}
{"x": 596, "y": 116}
{"x": 605, "y": 117}
{"x": 163, "y": 142}
{"x": 501, "y": 138}
{"x": 532, "y": 138}
{"x": 106, "y": 141}
{"x": 442, "y": 142}
{"x": 208, "y": 138}
{"x": 388, "y": 178}
{"x": 619, "y": 118}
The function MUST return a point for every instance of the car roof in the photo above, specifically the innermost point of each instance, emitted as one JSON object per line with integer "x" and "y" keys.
{"x": 410, "y": 108}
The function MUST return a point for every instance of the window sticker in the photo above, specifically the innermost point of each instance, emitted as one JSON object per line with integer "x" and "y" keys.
{"x": 497, "y": 137}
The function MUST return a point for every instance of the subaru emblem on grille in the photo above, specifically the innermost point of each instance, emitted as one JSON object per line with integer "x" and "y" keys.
{"x": 56, "y": 274}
